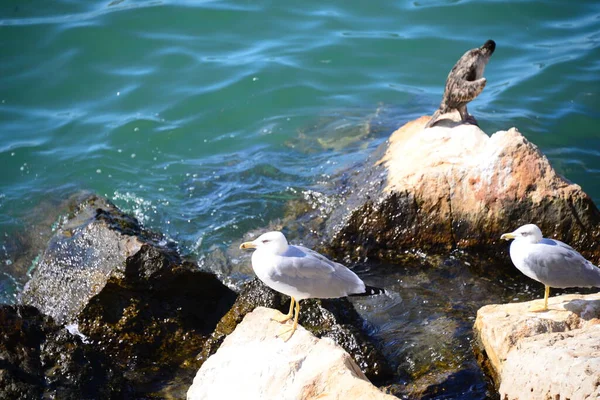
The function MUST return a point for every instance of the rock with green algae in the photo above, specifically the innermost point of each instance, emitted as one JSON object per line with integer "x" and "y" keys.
{"x": 453, "y": 187}
{"x": 131, "y": 294}
{"x": 43, "y": 360}
{"x": 333, "y": 318}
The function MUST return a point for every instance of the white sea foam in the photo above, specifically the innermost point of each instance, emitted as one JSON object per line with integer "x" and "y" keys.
{"x": 74, "y": 330}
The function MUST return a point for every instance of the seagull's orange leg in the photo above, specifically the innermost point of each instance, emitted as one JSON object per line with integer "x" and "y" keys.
{"x": 291, "y": 330}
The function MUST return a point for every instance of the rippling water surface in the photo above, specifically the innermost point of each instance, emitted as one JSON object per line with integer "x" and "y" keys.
{"x": 203, "y": 118}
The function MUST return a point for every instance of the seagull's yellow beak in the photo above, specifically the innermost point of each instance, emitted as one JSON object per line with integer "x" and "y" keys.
{"x": 508, "y": 236}
{"x": 247, "y": 245}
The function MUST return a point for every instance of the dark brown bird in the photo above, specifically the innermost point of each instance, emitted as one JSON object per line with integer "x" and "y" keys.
{"x": 465, "y": 81}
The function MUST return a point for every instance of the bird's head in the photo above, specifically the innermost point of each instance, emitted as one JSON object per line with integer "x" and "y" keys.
{"x": 488, "y": 48}
{"x": 529, "y": 233}
{"x": 273, "y": 242}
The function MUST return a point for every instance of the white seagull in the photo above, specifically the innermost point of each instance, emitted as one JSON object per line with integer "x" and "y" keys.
{"x": 301, "y": 273}
{"x": 550, "y": 261}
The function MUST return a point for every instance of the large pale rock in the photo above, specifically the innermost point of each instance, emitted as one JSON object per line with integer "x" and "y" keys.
{"x": 553, "y": 354}
{"x": 456, "y": 187}
{"x": 332, "y": 318}
{"x": 252, "y": 363}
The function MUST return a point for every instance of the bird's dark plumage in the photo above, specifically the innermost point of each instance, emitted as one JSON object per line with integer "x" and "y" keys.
{"x": 465, "y": 81}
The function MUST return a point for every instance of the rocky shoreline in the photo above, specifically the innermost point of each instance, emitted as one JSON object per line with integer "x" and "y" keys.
{"x": 119, "y": 306}
{"x": 114, "y": 311}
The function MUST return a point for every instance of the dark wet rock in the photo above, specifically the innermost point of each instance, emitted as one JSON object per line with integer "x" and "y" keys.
{"x": 40, "y": 359}
{"x": 25, "y": 239}
{"x": 462, "y": 384}
{"x": 93, "y": 243}
{"x": 156, "y": 317}
{"x": 131, "y": 294}
{"x": 333, "y": 318}
{"x": 456, "y": 188}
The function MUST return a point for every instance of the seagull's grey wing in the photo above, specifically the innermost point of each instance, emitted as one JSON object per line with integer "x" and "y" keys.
{"x": 558, "y": 265}
{"x": 302, "y": 262}
{"x": 554, "y": 242}
{"x": 316, "y": 274}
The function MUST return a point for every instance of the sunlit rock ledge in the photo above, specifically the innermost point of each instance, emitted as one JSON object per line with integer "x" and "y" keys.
{"x": 252, "y": 363}
{"x": 543, "y": 355}
{"x": 453, "y": 186}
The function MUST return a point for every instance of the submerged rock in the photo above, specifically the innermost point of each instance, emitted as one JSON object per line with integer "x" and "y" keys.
{"x": 553, "y": 354}
{"x": 253, "y": 363}
{"x": 454, "y": 187}
{"x": 333, "y": 318}
{"x": 43, "y": 360}
{"x": 131, "y": 295}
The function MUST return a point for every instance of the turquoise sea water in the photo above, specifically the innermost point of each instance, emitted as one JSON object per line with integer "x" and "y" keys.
{"x": 203, "y": 118}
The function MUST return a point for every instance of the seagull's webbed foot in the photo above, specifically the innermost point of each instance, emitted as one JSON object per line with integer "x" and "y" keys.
{"x": 545, "y": 306}
{"x": 282, "y": 318}
{"x": 288, "y": 331}
{"x": 288, "y": 316}
{"x": 537, "y": 308}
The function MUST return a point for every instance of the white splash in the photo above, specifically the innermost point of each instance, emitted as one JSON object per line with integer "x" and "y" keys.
{"x": 74, "y": 330}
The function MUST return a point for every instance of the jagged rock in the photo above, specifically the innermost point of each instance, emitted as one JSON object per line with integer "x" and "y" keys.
{"x": 454, "y": 187}
{"x": 553, "y": 354}
{"x": 252, "y": 363}
{"x": 131, "y": 294}
{"x": 94, "y": 242}
{"x": 42, "y": 360}
{"x": 156, "y": 316}
{"x": 332, "y": 318}
{"x": 28, "y": 238}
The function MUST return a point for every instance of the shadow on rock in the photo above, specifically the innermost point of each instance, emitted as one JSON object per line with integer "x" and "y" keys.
{"x": 584, "y": 308}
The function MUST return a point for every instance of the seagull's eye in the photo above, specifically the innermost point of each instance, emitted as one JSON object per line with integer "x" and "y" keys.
{"x": 266, "y": 241}
{"x": 524, "y": 233}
